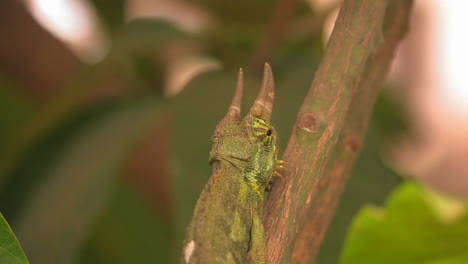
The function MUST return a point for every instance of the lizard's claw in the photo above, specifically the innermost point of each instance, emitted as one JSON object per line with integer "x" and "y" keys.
{"x": 277, "y": 174}
{"x": 279, "y": 166}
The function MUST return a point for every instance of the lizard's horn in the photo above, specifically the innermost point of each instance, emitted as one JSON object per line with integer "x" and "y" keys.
{"x": 263, "y": 105}
{"x": 235, "y": 108}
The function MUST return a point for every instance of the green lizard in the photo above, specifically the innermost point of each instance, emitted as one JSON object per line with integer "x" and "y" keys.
{"x": 227, "y": 223}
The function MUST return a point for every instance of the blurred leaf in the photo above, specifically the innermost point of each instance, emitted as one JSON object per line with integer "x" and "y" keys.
{"x": 243, "y": 27}
{"x": 111, "y": 13}
{"x": 89, "y": 82}
{"x": 14, "y": 111}
{"x": 407, "y": 230}
{"x": 241, "y": 14}
{"x": 462, "y": 259}
{"x": 10, "y": 249}
{"x": 149, "y": 35}
{"x": 32, "y": 169}
{"x": 371, "y": 182}
{"x": 56, "y": 217}
{"x": 389, "y": 119}
{"x": 44, "y": 162}
{"x": 69, "y": 102}
{"x": 147, "y": 43}
{"x": 240, "y": 25}
{"x": 131, "y": 232}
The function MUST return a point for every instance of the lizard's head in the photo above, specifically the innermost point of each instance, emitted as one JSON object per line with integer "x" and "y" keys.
{"x": 249, "y": 144}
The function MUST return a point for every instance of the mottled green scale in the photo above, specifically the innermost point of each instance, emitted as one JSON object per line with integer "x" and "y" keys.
{"x": 263, "y": 130}
{"x": 265, "y": 155}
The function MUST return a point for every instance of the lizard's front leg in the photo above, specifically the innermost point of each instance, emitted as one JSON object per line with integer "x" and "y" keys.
{"x": 257, "y": 249}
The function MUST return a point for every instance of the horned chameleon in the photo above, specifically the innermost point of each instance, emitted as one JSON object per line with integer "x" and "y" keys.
{"x": 227, "y": 222}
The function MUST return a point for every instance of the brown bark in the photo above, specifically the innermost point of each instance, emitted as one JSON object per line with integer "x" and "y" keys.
{"x": 330, "y": 127}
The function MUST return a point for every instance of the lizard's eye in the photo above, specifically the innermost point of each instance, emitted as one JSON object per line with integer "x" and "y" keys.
{"x": 262, "y": 130}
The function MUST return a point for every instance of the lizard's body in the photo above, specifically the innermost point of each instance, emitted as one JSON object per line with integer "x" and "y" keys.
{"x": 227, "y": 221}
{"x": 223, "y": 236}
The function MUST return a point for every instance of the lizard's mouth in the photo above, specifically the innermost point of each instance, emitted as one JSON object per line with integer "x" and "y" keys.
{"x": 236, "y": 161}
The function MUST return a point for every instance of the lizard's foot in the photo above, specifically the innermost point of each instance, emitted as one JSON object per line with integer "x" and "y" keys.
{"x": 279, "y": 166}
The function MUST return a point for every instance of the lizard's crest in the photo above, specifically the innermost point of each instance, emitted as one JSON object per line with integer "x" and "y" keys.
{"x": 249, "y": 144}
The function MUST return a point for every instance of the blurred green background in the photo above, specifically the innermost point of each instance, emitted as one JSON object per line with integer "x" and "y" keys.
{"x": 103, "y": 161}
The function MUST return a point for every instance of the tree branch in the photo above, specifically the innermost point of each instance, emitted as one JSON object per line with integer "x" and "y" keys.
{"x": 330, "y": 126}
{"x": 335, "y": 178}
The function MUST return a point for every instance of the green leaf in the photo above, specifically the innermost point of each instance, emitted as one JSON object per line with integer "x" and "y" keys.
{"x": 10, "y": 249}
{"x": 131, "y": 231}
{"x": 410, "y": 229}
{"x": 58, "y": 212}
{"x": 462, "y": 259}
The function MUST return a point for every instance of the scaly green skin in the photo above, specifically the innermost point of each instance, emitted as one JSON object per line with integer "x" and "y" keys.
{"x": 227, "y": 223}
